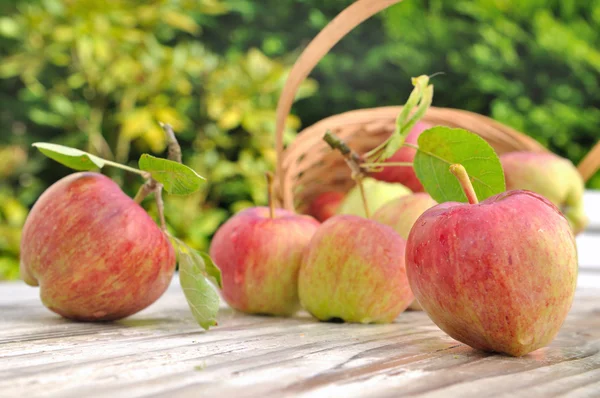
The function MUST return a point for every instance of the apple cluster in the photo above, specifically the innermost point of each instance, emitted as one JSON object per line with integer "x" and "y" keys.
{"x": 497, "y": 275}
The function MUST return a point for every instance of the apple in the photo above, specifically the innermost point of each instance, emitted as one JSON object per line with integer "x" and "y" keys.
{"x": 353, "y": 270}
{"x": 401, "y": 214}
{"x": 404, "y": 174}
{"x": 259, "y": 255}
{"x": 551, "y": 176}
{"x": 378, "y": 193}
{"x": 499, "y": 275}
{"x": 325, "y": 205}
{"x": 94, "y": 252}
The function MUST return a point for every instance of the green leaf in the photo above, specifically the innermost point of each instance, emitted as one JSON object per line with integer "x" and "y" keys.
{"x": 194, "y": 271}
{"x": 211, "y": 269}
{"x": 70, "y": 157}
{"x": 177, "y": 178}
{"x": 440, "y": 147}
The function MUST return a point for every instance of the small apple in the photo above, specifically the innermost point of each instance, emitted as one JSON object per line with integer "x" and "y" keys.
{"x": 325, "y": 205}
{"x": 404, "y": 174}
{"x": 353, "y": 270}
{"x": 378, "y": 193}
{"x": 551, "y": 176}
{"x": 94, "y": 252}
{"x": 259, "y": 254}
{"x": 401, "y": 214}
{"x": 499, "y": 275}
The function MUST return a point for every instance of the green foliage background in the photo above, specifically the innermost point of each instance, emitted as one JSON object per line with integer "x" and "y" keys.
{"x": 100, "y": 74}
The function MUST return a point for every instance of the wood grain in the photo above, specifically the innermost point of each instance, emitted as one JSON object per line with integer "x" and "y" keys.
{"x": 161, "y": 352}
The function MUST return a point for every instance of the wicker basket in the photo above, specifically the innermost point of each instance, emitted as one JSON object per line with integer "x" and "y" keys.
{"x": 308, "y": 167}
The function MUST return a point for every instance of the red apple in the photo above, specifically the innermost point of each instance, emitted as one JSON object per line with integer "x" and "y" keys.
{"x": 551, "y": 176}
{"x": 94, "y": 252}
{"x": 354, "y": 270}
{"x": 325, "y": 205}
{"x": 259, "y": 257}
{"x": 499, "y": 275}
{"x": 405, "y": 175}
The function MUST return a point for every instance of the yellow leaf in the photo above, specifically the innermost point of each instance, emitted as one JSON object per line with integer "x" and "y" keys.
{"x": 170, "y": 116}
{"x": 136, "y": 123}
{"x": 155, "y": 138}
{"x": 229, "y": 119}
{"x": 181, "y": 22}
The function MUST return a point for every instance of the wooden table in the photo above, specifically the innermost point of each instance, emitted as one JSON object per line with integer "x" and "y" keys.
{"x": 162, "y": 352}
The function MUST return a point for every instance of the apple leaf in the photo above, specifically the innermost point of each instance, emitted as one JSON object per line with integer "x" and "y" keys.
{"x": 176, "y": 178}
{"x": 195, "y": 271}
{"x": 70, "y": 157}
{"x": 417, "y": 104}
{"x": 440, "y": 147}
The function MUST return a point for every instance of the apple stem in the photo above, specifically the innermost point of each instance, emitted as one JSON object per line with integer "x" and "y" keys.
{"x": 463, "y": 178}
{"x": 153, "y": 186}
{"x": 363, "y": 194}
{"x": 270, "y": 194}
{"x": 385, "y": 164}
{"x": 353, "y": 161}
{"x": 143, "y": 192}
{"x": 174, "y": 150}
{"x": 160, "y": 206}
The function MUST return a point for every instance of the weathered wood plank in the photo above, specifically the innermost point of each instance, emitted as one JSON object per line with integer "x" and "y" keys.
{"x": 161, "y": 352}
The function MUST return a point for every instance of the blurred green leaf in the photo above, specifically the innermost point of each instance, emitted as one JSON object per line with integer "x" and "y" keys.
{"x": 177, "y": 178}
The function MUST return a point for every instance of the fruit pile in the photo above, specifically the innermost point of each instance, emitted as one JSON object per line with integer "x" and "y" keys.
{"x": 497, "y": 274}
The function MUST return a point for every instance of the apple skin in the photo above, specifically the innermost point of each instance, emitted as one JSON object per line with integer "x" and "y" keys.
{"x": 325, "y": 205}
{"x": 551, "y": 176}
{"x": 259, "y": 258}
{"x": 353, "y": 270}
{"x": 401, "y": 214}
{"x": 499, "y": 275}
{"x": 404, "y": 175}
{"x": 378, "y": 193}
{"x": 94, "y": 252}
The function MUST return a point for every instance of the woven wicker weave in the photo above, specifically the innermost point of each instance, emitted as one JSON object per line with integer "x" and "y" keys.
{"x": 308, "y": 167}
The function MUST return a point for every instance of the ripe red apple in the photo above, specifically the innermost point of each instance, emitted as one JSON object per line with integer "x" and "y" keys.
{"x": 354, "y": 270}
{"x": 551, "y": 176}
{"x": 259, "y": 257}
{"x": 94, "y": 252}
{"x": 401, "y": 214}
{"x": 499, "y": 275}
{"x": 325, "y": 205}
{"x": 404, "y": 175}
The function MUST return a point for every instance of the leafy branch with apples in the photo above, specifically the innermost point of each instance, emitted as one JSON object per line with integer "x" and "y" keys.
{"x": 429, "y": 225}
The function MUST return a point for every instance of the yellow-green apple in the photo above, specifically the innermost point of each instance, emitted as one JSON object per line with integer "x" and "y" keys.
{"x": 551, "y": 176}
{"x": 378, "y": 193}
{"x": 94, "y": 252}
{"x": 498, "y": 275}
{"x": 325, "y": 205}
{"x": 401, "y": 214}
{"x": 404, "y": 175}
{"x": 353, "y": 270}
{"x": 259, "y": 255}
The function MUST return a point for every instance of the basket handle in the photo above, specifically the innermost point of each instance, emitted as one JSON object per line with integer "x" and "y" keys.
{"x": 590, "y": 163}
{"x": 335, "y": 30}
